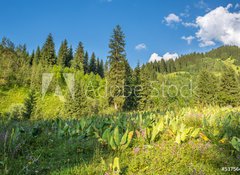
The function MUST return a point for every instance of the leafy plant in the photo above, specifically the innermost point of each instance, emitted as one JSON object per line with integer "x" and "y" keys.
{"x": 115, "y": 139}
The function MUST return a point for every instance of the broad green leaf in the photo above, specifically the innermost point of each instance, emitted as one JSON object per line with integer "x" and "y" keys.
{"x": 130, "y": 135}
{"x": 112, "y": 143}
{"x": 124, "y": 138}
{"x": 116, "y": 136}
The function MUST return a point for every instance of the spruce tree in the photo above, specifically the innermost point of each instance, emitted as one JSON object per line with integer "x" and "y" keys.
{"x": 29, "y": 105}
{"x": 117, "y": 70}
{"x": 98, "y": 66}
{"x": 92, "y": 64}
{"x": 128, "y": 88}
{"x": 85, "y": 63}
{"x": 101, "y": 69}
{"x": 229, "y": 88}
{"x": 63, "y": 54}
{"x": 78, "y": 61}
{"x": 48, "y": 55}
{"x": 69, "y": 57}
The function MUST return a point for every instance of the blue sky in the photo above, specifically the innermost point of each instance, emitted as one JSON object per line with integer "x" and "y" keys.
{"x": 92, "y": 21}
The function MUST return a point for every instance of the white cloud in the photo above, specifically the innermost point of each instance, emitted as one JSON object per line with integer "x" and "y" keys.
{"x": 167, "y": 56}
{"x": 219, "y": 25}
{"x": 188, "y": 39}
{"x": 141, "y": 46}
{"x": 172, "y": 18}
{"x": 189, "y": 24}
{"x": 155, "y": 57}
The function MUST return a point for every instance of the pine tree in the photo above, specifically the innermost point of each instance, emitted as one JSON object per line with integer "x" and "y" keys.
{"x": 92, "y": 64}
{"x": 78, "y": 61}
{"x": 48, "y": 56}
{"x": 29, "y": 105}
{"x": 86, "y": 64}
{"x": 117, "y": 70}
{"x": 128, "y": 88}
{"x": 97, "y": 66}
{"x": 206, "y": 88}
{"x": 229, "y": 89}
{"x": 69, "y": 57}
{"x": 63, "y": 54}
{"x": 101, "y": 69}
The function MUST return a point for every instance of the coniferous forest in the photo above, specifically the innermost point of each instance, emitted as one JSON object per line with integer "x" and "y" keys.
{"x": 68, "y": 111}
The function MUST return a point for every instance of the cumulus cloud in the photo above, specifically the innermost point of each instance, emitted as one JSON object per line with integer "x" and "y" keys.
{"x": 188, "y": 39}
{"x": 141, "y": 46}
{"x": 219, "y": 25}
{"x": 172, "y": 18}
{"x": 167, "y": 56}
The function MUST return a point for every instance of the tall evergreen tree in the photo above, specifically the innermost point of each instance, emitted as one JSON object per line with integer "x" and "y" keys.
{"x": 78, "y": 61}
{"x": 70, "y": 57}
{"x": 92, "y": 64}
{"x": 128, "y": 88}
{"x": 63, "y": 54}
{"x": 229, "y": 89}
{"x": 101, "y": 69}
{"x": 117, "y": 70}
{"x": 85, "y": 63}
{"x": 48, "y": 55}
